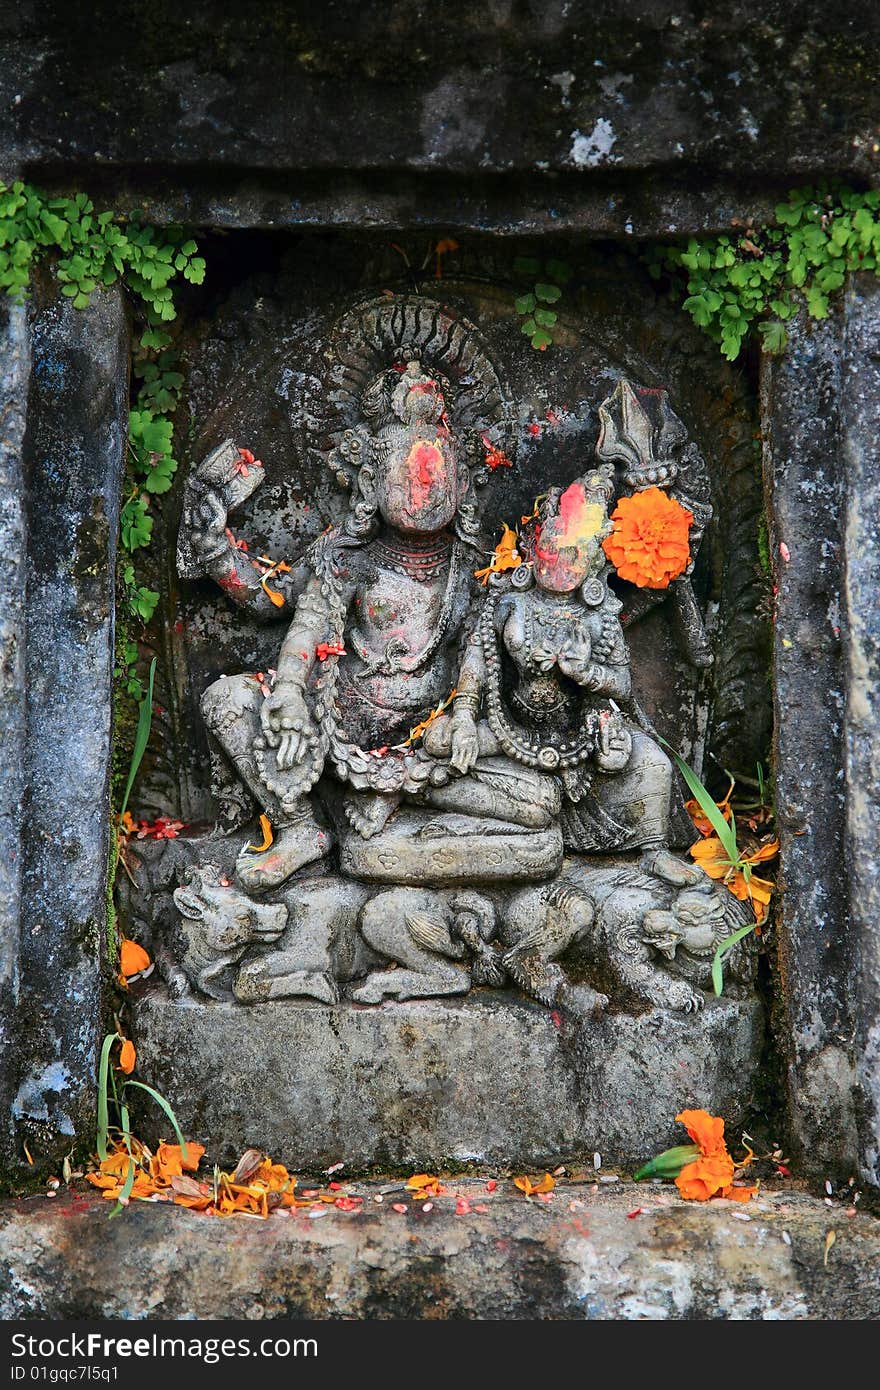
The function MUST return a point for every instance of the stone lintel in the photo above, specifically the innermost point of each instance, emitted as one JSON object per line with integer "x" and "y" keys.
{"x": 581, "y": 88}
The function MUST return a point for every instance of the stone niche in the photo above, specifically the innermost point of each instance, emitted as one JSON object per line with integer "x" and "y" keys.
{"x": 607, "y": 1037}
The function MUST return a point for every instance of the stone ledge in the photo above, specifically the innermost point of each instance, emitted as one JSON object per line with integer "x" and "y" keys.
{"x": 491, "y": 1078}
{"x": 520, "y": 1260}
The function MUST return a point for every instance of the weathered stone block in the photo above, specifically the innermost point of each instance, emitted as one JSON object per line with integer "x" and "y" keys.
{"x": 806, "y": 494}
{"x": 860, "y": 392}
{"x": 635, "y": 120}
{"x": 14, "y": 375}
{"x": 431, "y": 1083}
{"x": 69, "y": 482}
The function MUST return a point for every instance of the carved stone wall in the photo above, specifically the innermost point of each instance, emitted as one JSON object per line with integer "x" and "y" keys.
{"x": 592, "y": 132}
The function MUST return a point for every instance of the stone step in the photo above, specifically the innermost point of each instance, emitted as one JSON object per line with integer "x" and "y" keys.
{"x": 580, "y": 1255}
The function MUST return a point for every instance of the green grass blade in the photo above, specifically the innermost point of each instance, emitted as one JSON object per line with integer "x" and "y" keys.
{"x": 668, "y": 1164}
{"x": 163, "y": 1104}
{"x": 103, "y": 1104}
{"x": 723, "y": 829}
{"x": 141, "y": 738}
{"x": 129, "y": 1177}
{"x": 721, "y": 950}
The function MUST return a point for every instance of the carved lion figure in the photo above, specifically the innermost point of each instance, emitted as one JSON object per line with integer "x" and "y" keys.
{"x": 624, "y": 922}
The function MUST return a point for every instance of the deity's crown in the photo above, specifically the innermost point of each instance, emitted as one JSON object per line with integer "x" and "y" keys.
{"x": 418, "y": 396}
{"x": 405, "y": 359}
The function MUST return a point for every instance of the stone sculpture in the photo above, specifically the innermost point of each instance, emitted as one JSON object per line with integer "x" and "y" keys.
{"x": 431, "y": 745}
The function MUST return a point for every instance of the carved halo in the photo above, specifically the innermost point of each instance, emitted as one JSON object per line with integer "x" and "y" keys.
{"x": 366, "y": 350}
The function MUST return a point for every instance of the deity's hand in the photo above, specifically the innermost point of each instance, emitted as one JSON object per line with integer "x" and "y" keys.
{"x": 574, "y": 661}
{"x": 613, "y": 744}
{"x": 287, "y": 724}
{"x": 464, "y": 746}
{"x": 204, "y": 518}
{"x": 543, "y": 657}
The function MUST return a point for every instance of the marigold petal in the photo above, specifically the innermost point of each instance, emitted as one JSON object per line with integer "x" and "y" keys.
{"x": 193, "y": 1157}
{"x": 132, "y": 958}
{"x": 739, "y": 1194}
{"x": 127, "y": 1057}
{"x": 705, "y": 1129}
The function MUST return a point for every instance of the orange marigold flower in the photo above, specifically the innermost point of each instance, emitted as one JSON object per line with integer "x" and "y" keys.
{"x": 132, "y": 958}
{"x": 706, "y": 1177}
{"x": 710, "y": 1175}
{"x": 649, "y": 545}
{"x": 712, "y": 859}
{"x": 127, "y": 1056}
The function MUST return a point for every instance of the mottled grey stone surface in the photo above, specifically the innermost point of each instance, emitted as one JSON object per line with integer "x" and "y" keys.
{"x": 578, "y": 1256}
{"x": 806, "y": 492}
{"x": 14, "y": 375}
{"x": 622, "y": 120}
{"x": 860, "y": 405}
{"x": 72, "y": 452}
{"x": 821, "y": 420}
{"x": 434, "y": 1082}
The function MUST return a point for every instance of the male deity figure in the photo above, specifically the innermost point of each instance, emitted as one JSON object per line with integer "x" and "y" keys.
{"x": 373, "y": 648}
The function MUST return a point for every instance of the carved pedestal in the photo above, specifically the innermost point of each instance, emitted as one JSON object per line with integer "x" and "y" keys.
{"x": 431, "y": 1084}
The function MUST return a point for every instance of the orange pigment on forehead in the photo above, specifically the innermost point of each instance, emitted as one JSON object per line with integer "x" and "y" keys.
{"x": 426, "y": 470}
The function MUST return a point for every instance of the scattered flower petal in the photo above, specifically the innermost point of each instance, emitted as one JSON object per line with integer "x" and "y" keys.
{"x": 505, "y": 557}
{"x": 328, "y": 649}
{"x": 132, "y": 958}
{"x": 268, "y": 837}
{"x": 525, "y": 1184}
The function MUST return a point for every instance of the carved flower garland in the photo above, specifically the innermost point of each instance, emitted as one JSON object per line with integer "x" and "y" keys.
{"x": 649, "y": 545}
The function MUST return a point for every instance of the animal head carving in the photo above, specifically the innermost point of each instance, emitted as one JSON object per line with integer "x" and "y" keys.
{"x": 227, "y": 920}
{"x": 695, "y": 920}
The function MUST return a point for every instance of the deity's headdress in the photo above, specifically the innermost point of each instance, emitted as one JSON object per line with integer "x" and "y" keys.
{"x": 382, "y": 349}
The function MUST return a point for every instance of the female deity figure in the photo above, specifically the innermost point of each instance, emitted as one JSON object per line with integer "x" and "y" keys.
{"x": 548, "y": 665}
